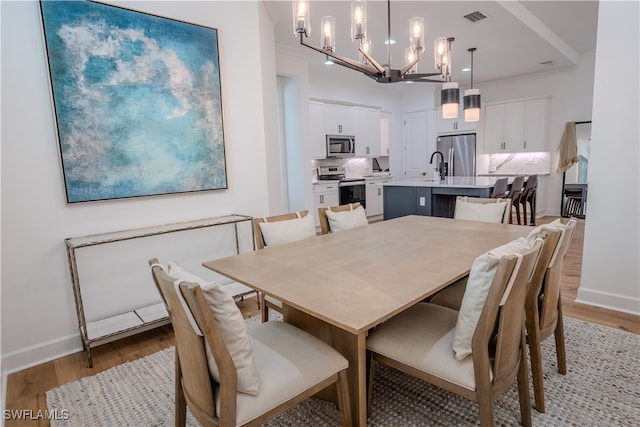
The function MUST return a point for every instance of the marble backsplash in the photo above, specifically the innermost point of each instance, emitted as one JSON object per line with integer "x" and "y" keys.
{"x": 518, "y": 164}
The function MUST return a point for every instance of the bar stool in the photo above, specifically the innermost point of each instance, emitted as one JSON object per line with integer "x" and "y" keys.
{"x": 499, "y": 188}
{"x": 529, "y": 195}
{"x": 514, "y": 194}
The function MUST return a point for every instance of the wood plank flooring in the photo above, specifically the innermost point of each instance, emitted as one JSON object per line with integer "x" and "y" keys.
{"x": 26, "y": 389}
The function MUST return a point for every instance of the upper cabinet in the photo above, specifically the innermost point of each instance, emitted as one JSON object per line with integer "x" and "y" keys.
{"x": 516, "y": 127}
{"x": 367, "y": 131}
{"x": 338, "y": 119}
{"x": 318, "y": 133}
{"x": 385, "y": 129}
{"x": 454, "y": 126}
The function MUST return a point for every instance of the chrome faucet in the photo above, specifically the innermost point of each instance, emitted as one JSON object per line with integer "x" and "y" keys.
{"x": 441, "y": 169}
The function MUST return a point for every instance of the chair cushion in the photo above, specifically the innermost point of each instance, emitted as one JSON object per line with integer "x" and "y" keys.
{"x": 345, "y": 220}
{"x": 421, "y": 337}
{"x": 288, "y": 361}
{"x": 486, "y": 212}
{"x": 481, "y": 276}
{"x": 290, "y": 230}
{"x": 542, "y": 230}
{"x": 232, "y": 326}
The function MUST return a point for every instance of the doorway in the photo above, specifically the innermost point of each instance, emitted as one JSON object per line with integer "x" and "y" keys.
{"x": 415, "y": 144}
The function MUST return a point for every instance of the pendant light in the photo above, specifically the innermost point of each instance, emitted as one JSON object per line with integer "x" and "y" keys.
{"x": 450, "y": 94}
{"x": 366, "y": 63}
{"x": 471, "y": 100}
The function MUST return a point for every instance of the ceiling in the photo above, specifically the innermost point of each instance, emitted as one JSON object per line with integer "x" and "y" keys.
{"x": 517, "y": 38}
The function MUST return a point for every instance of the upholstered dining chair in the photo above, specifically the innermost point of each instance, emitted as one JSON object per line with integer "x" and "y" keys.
{"x": 529, "y": 197}
{"x": 276, "y": 230}
{"x": 543, "y": 308}
{"x": 341, "y": 217}
{"x": 482, "y": 209}
{"x": 514, "y": 194}
{"x": 206, "y": 339}
{"x": 500, "y": 188}
{"x": 423, "y": 340}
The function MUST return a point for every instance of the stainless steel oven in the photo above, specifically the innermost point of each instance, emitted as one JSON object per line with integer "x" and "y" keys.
{"x": 352, "y": 191}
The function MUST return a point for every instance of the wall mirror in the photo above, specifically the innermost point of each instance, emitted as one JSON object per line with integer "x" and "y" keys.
{"x": 575, "y": 180}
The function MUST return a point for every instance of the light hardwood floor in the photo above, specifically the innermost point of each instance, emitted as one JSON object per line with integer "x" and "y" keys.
{"x": 26, "y": 389}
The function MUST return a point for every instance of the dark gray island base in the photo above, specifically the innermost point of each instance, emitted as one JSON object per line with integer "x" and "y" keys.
{"x": 431, "y": 198}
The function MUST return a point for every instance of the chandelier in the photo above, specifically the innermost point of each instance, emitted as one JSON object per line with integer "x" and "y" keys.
{"x": 367, "y": 64}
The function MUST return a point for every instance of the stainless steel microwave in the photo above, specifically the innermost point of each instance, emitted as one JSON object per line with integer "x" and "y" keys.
{"x": 341, "y": 146}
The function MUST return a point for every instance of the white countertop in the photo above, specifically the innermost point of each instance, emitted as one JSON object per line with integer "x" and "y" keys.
{"x": 452, "y": 181}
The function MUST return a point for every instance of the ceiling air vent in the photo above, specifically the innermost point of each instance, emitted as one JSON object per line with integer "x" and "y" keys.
{"x": 475, "y": 16}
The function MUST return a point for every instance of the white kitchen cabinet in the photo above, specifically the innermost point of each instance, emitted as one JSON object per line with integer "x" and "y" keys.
{"x": 318, "y": 132}
{"x": 367, "y": 131}
{"x": 516, "y": 127}
{"x": 385, "y": 128}
{"x": 374, "y": 198}
{"x": 339, "y": 120}
{"x": 324, "y": 196}
{"x": 454, "y": 126}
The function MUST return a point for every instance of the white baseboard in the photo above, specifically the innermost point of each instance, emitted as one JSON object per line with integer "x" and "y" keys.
{"x": 609, "y": 300}
{"x": 36, "y": 355}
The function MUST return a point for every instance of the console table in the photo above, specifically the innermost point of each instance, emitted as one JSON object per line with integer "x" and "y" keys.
{"x": 141, "y": 319}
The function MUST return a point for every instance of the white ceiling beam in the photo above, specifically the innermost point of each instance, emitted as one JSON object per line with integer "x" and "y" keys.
{"x": 530, "y": 20}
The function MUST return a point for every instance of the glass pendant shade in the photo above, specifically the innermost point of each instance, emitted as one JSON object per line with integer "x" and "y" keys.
{"x": 409, "y": 57}
{"x": 328, "y": 36}
{"x": 365, "y": 45}
{"x": 416, "y": 31}
{"x": 450, "y": 97}
{"x": 442, "y": 56}
{"x": 301, "y": 17}
{"x": 358, "y": 20}
{"x": 471, "y": 103}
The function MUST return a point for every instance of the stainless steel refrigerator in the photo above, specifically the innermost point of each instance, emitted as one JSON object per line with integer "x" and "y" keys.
{"x": 459, "y": 152}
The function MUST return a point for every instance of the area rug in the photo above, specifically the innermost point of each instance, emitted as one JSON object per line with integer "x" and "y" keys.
{"x": 601, "y": 388}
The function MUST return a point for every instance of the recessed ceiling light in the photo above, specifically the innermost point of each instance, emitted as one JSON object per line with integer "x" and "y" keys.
{"x": 390, "y": 41}
{"x": 466, "y": 69}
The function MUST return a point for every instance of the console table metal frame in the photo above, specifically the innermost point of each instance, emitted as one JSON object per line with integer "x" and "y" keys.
{"x": 74, "y": 243}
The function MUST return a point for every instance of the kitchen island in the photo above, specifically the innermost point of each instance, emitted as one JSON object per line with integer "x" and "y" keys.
{"x": 432, "y": 197}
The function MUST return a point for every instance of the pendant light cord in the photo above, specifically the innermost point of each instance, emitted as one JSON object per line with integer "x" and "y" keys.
{"x": 389, "y": 34}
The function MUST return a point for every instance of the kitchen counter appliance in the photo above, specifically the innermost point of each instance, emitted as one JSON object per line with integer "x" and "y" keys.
{"x": 459, "y": 152}
{"x": 341, "y": 146}
{"x": 350, "y": 190}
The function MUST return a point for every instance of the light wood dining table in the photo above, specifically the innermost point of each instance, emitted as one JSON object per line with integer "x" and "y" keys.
{"x": 340, "y": 285}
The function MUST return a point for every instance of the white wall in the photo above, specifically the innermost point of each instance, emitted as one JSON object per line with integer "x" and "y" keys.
{"x": 610, "y": 267}
{"x": 38, "y": 312}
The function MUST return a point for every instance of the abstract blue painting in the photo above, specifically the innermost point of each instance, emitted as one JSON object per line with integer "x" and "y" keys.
{"x": 137, "y": 102}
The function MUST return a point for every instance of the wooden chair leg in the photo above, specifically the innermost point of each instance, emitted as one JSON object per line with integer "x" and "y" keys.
{"x": 524, "y": 212}
{"x": 370, "y": 373}
{"x": 265, "y": 309}
{"x": 344, "y": 404}
{"x": 518, "y": 212}
{"x": 559, "y": 337}
{"x": 485, "y": 408}
{"x": 532, "y": 204}
{"x": 181, "y": 403}
{"x": 523, "y": 384}
{"x": 535, "y": 351}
